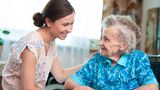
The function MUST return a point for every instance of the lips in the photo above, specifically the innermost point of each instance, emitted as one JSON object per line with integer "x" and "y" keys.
{"x": 64, "y": 34}
{"x": 102, "y": 48}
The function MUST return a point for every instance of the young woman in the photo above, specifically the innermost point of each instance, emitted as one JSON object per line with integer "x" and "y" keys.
{"x": 34, "y": 56}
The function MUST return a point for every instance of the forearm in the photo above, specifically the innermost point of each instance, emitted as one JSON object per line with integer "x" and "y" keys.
{"x": 62, "y": 74}
{"x": 69, "y": 71}
{"x": 66, "y": 73}
{"x": 148, "y": 87}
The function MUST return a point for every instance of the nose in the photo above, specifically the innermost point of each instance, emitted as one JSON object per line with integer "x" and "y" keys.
{"x": 69, "y": 28}
{"x": 100, "y": 42}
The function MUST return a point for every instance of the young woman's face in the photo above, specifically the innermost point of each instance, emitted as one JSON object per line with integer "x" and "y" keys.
{"x": 61, "y": 27}
{"x": 109, "y": 43}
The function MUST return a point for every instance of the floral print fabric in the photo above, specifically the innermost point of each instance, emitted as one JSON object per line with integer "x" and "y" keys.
{"x": 11, "y": 71}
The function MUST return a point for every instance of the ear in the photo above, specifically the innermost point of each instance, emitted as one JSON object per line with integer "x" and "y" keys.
{"x": 48, "y": 22}
{"x": 123, "y": 46}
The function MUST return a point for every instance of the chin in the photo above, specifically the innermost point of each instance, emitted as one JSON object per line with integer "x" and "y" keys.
{"x": 103, "y": 53}
{"x": 62, "y": 38}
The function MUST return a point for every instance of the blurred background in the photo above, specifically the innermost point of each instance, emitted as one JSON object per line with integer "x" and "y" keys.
{"x": 16, "y": 21}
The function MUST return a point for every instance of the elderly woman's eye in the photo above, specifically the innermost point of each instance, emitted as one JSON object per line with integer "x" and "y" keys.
{"x": 105, "y": 39}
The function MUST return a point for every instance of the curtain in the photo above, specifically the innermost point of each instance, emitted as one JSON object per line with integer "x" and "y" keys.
{"x": 73, "y": 51}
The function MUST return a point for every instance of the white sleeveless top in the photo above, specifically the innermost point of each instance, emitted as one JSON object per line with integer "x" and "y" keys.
{"x": 11, "y": 72}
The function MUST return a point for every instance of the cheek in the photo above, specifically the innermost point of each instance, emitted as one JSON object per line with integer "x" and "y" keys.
{"x": 59, "y": 28}
{"x": 107, "y": 45}
{"x": 108, "y": 48}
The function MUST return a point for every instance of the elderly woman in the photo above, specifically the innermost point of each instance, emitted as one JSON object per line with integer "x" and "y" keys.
{"x": 117, "y": 65}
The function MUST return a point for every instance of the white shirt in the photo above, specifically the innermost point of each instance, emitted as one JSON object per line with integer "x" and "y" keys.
{"x": 34, "y": 42}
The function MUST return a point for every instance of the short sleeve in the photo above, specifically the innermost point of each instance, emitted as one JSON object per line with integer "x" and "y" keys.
{"x": 85, "y": 75}
{"x": 144, "y": 72}
{"x": 34, "y": 46}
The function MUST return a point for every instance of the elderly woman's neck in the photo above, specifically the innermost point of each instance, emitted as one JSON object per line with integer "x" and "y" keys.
{"x": 114, "y": 59}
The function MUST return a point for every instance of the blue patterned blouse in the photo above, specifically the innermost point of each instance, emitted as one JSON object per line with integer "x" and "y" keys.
{"x": 131, "y": 71}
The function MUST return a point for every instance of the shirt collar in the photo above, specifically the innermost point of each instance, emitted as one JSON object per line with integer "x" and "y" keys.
{"x": 122, "y": 61}
{"x": 105, "y": 59}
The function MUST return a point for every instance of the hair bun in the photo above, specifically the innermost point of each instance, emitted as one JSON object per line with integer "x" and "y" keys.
{"x": 38, "y": 19}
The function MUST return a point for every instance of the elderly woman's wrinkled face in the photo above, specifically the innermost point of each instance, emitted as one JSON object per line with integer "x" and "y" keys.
{"x": 110, "y": 43}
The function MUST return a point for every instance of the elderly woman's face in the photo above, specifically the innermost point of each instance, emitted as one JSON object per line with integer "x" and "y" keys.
{"x": 110, "y": 43}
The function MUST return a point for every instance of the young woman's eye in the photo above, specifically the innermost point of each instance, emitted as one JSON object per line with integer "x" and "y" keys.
{"x": 72, "y": 23}
{"x": 65, "y": 24}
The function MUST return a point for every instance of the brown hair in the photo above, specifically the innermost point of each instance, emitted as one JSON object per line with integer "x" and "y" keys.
{"x": 55, "y": 9}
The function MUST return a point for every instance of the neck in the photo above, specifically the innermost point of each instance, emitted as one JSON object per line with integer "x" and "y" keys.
{"x": 113, "y": 62}
{"x": 46, "y": 35}
{"x": 115, "y": 58}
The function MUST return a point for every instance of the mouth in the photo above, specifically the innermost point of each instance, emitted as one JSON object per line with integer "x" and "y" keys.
{"x": 64, "y": 35}
{"x": 102, "y": 48}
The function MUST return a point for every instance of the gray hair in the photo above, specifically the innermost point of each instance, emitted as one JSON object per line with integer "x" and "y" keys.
{"x": 129, "y": 31}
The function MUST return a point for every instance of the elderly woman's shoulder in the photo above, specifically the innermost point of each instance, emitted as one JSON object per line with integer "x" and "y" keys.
{"x": 138, "y": 53}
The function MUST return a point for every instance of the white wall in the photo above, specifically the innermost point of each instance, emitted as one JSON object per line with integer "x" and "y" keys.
{"x": 88, "y": 18}
{"x": 17, "y": 14}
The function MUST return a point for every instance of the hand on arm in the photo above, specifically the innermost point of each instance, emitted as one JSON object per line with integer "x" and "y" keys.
{"x": 60, "y": 73}
{"x": 28, "y": 71}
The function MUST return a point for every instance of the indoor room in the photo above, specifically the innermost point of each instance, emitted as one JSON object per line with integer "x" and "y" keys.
{"x": 83, "y": 41}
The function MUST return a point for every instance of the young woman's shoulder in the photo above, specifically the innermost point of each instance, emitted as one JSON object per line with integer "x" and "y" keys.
{"x": 32, "y": 36}
{"x": 32, "y": 41}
